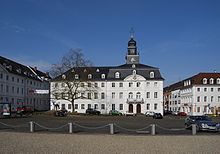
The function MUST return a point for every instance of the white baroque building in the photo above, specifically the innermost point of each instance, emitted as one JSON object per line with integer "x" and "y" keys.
{"x": 131, "y": 87}
{"x": 197, "y": 95}
{"x": 23, "y": 86}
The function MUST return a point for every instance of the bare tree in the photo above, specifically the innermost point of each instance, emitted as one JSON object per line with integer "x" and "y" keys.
{"x": 67, "y": 85}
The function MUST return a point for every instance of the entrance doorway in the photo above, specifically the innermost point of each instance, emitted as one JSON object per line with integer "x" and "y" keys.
{"x": 130, "y": 108}
{"x": 138, "y": 108}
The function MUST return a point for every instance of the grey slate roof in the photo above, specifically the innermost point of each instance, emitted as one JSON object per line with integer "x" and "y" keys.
{"x": 21, "y": 70}
{"x": 124, "y": 70}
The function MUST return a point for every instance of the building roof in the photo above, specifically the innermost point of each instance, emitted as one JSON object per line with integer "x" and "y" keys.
{"x": 22, "y": 70}
{"x": 109, "y": 72}
{"x": 195, "y": 80}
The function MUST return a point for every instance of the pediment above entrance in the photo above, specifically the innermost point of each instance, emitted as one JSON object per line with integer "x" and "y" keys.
{"x": 135, "y": 77}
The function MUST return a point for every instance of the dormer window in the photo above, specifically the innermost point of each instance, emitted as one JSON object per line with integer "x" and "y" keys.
{"x": 18, "y": 70}
{"x": 117, "y": 75}
{"x": 64, "y": 76}
{"x": 103, "y": 76}
{"x": 211, "y": 81}
{"x": 97, "y": 70}
{"x": 204, "y": 81}
{"x": 151, "y": 74}
{"x": 133, "y": 66}
{"x": 76, "y": 76}
{"x": 134, "y": 72}
{"x": 73, "y": 70}
{"x": 218, "y": 81}
{"x": 89, "y": 76}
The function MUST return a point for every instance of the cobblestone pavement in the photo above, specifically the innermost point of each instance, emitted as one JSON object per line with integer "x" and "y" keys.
{"x": 26, "y": 143}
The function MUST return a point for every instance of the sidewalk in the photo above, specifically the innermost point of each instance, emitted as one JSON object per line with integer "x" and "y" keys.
{"x": 11, "y": 142}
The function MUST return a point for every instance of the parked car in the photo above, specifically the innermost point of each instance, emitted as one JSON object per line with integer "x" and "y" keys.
{"x": 149, "y": 113}
{"x": 130, "y": 113}
{"x": 182, "y": 114}
{"x": 203, "y": 123}
{"x": 167, "y": 112}
{"x": 24, "y": 110}
{"x": 157, "y": 116}
{"x": 92, "y": 111}
{"x": 115, "y": 112}
{"x": 61, "y": 113}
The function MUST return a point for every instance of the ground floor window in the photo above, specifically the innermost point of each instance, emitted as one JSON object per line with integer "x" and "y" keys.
{"x": 89, "y": 106}
{"x": 76, "y": 106}
{"x": 198, "y": 109}
{"x": 96, "y": 106}
{"x": 113, "y": 106}
{"x": 69, "y": 106}
{"x": 63, "y": 106}
{"x": 120, "y": 106}
{"x": 103, "y": 106}
{"x": 148, "y": 106}
{"x": 82, "y": 106}
{"x": 155, "y": 106}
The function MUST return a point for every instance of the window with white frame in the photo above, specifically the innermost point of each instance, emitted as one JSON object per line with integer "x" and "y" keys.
{"x": 130, "y": 95}
{"x": 102, "y": 84}
{"x": 89, "y": 106}
{"x": 205, "y": 98}
{"x": 151, "y": 74}
{"x": 102, "y": 106}
{"x": 103, "y": 76}
{"x": 120, "y": 95}
{"x": 120, "y": 84}
{"x": 96, "y": 106}
{"x": 198, "y": 98}
{"x": 95, "y": 95}
{"x": 148, "y": 94}
{"x": 113, "y": 84}
{"x": 212, "y": 98}
{"x": 204, "y": 81}
{"x": 148, "y": 106}
{"x": 117, "y": 75}
{"x": 89, "y": 76}
{"x": 211, "y": 81}
{"x": 113, "y": 106}
{"x": 76, "y": 76}
{"x": 120, "y": 106}
{"x": 155, "y": 94}
{"x": 76, "y": 106}
{"x": 138, "y": 84}
{"x": 113, "y": 95}
{"x": 102, "y": 95}
{"x": 130, "y": 84}
{"x": 138, "y": 95}
{"x": 155, "y": 106}
{"x": 82, "y": 106}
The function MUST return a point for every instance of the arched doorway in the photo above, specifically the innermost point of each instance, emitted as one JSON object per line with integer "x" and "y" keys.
{"x": 138, "y": 108}
{"x": 130, "y": 108}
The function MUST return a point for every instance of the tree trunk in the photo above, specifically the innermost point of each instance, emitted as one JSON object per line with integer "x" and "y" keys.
{"x": 73, "y": 107}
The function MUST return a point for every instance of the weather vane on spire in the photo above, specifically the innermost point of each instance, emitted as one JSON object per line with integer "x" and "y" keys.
{"x": 132, "y": 32}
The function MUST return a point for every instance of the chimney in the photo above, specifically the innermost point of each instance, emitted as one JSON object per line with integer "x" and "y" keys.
{"x": 35, "y": 68}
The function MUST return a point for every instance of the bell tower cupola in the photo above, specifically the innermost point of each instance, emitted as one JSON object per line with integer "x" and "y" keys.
{"x": 132, "y": 56}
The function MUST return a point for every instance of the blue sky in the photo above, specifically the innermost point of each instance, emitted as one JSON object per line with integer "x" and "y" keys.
{"x": 181, "y": 37}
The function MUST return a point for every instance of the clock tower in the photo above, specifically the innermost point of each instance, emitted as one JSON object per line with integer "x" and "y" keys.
{"x": 132, "y": 56}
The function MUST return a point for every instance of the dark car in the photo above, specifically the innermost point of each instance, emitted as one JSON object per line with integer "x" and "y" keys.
{"x": 203, "y": 123}
{"x": 92, "y": 111}
{"x": 157, "y": 116}
{"x": 115, "y": 112}
{"x": 24, "y": 110}
{"x": 61, "y": 113}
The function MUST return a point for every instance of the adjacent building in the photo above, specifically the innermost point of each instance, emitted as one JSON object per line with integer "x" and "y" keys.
{"x": 22, "y": 85}
{"x": 132, "y": 87}
{"x": 197, "y": 95}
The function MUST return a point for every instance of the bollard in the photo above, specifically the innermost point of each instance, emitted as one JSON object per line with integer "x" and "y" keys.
{"x": 111, "y": 129}
{"x": 31, "y": 126}
{"x": 152, "y": 129}
{"x": 193, "y": 129}
{"x": 70, "y": 127}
